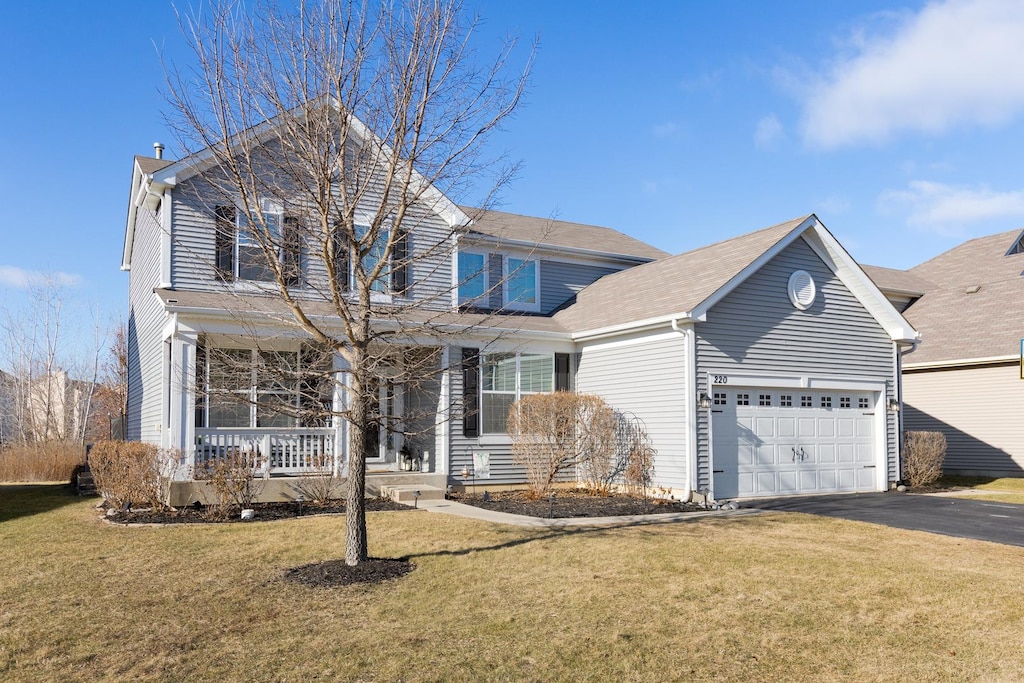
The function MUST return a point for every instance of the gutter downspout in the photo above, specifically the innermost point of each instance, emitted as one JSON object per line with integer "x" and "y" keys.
{"x": 899, "y": 396}
{"x": 691, "y": 407}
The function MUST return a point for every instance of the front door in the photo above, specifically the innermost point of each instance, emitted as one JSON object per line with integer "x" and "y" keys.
{"x": 385, "y": 440}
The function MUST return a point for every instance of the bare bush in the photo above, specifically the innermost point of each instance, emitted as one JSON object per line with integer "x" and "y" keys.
{"x": 630, "y": 463}
{"x": 44, "y": 461}
{"x": 553, "y": 433}
{"x": 234, "y": 478}
{"x": 923, "y": 455}
{"x": 128, "y": 473}
{"x": 323, "y": 487}
{"x": 639, "y": 470}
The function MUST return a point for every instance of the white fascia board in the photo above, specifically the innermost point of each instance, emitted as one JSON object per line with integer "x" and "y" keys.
{"x": 964, "y": 362}
{"x": 638, "y": 326}
{"x": 736, "y": 280}
{"x": 828, "y": 248}
{"x": 129, "y": 229}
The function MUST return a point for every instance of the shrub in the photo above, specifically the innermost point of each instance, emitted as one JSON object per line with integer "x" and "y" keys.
{"x": 923, "y": 454}
{"x": 553, "y": 433}
{"x": 233, "y": 476}
{"x": 45, "y": 461}
{"x": 323, "y": 487}
{"x": 128, "y": 472}
{"x": 639, "y": 470}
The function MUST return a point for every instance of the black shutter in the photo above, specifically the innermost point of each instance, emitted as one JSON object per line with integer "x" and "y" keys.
{"x": 291, "y": 252}
{"x": 470, "y": 392}
{"x": 224, "y": 258}
{"x": 341, "y": 266}
{"x": 399, "y": 263}
{"x": 562, "y": 372}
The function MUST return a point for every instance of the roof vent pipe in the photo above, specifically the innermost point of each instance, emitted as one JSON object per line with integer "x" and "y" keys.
{"x": 158, "y": 150}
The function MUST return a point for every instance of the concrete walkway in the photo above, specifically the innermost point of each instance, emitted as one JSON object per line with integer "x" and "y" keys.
{"x": 450, "y": 507}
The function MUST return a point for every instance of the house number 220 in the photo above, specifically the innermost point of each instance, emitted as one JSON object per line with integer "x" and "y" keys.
{"x": 721, "y": 379}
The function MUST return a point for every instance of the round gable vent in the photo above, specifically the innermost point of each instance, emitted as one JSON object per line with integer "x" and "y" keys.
{"x": 801, "y": 289}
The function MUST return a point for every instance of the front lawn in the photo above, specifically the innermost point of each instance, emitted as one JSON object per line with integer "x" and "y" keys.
{"x": 765, "y": 597}
{"x": 997, "y": 490}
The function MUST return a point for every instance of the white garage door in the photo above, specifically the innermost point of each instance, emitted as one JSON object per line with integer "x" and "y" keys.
{"x": 771, "y": 442}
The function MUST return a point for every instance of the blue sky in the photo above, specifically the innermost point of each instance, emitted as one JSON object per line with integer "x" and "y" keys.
{"x": 682, "y": 123}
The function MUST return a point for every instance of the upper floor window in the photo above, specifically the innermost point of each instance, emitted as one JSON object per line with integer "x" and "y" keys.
{"x": 472, "y": 277}
{"x": 248, "y": 251}
{"x": 382, "y": 283}
{"x": 522, "y": 284}
{"x": 392, "y": 278}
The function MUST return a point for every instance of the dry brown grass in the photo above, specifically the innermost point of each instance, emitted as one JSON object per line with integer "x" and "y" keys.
{"x": 770, "y": 597}
{"x": 48, "y": 461}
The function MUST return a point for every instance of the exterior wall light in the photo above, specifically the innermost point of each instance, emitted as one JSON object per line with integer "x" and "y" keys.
{"x": 894, "y": 405}
{"x": 703, "y": 400}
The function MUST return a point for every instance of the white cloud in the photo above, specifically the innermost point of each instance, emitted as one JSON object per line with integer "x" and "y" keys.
{"x": 953, "y": 63}
{"x": 19, "y": 278}
{"x": 670, "y": 130}
{"x": 948, "y": 209}
{"x": 768, "y": 132}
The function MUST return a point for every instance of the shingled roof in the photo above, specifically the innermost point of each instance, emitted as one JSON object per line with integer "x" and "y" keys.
{"x": 897, "y": 281}
{"x": 974, "y": 308}
{"x": 671, "y": 285}
{"x": 531, "y": 231}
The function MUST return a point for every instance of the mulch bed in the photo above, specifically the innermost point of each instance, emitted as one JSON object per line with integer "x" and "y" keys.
{"x": 573, "y": 503}
{"x": 330, "y": 573}
{"x": 264, "y": 512}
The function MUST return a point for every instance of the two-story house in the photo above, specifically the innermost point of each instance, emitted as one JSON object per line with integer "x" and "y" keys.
{"x": 762, "y": 365}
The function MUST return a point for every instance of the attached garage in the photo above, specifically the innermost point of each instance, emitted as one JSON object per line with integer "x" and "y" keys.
{"x": 775, "y": 367}
{"x": 771, "y": 441}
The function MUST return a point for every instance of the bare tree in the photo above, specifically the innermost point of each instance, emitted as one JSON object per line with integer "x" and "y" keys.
{"x": 350, "y": 115}
{"x": 52, "y": 373}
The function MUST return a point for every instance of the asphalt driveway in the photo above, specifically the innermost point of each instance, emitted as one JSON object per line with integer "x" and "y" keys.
{"x": 980, "y": 519}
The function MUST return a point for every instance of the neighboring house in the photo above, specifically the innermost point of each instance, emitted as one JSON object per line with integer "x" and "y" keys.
{"x": 8, "y": 412}
{"x": 762, "y": 365}
{"x": 58, "y": 406}
{"x": 964, "y": 379}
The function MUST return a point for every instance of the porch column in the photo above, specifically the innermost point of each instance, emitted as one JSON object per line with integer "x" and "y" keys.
{"x": 442, "y": 417}
{"x": 338, "y": 403}
{"x": 183, "y": 399}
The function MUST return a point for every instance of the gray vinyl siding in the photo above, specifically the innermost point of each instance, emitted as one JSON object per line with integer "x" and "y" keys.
{"x": 503, "y": 470}
{"x": 978, "y": 409}
{"x": 560, "y": 281}
{"x": 647, "y": 379}
{"x": 193, "y": 244}
{"x": 145, "y": 320}
{"x": 756, "y": 329}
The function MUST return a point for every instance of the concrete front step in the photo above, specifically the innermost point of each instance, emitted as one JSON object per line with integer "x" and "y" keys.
{"x": 406, "y": 493}
{"x": 377, "y": 481}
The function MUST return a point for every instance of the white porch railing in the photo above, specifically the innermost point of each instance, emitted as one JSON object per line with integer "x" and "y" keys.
{"x": 285, "y": 451}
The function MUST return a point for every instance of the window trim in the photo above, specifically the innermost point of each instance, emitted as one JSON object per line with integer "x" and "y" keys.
{"x": 508, "y": 273}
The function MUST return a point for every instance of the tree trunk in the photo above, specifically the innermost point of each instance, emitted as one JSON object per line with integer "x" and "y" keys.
{"x": 355, "y": 503}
